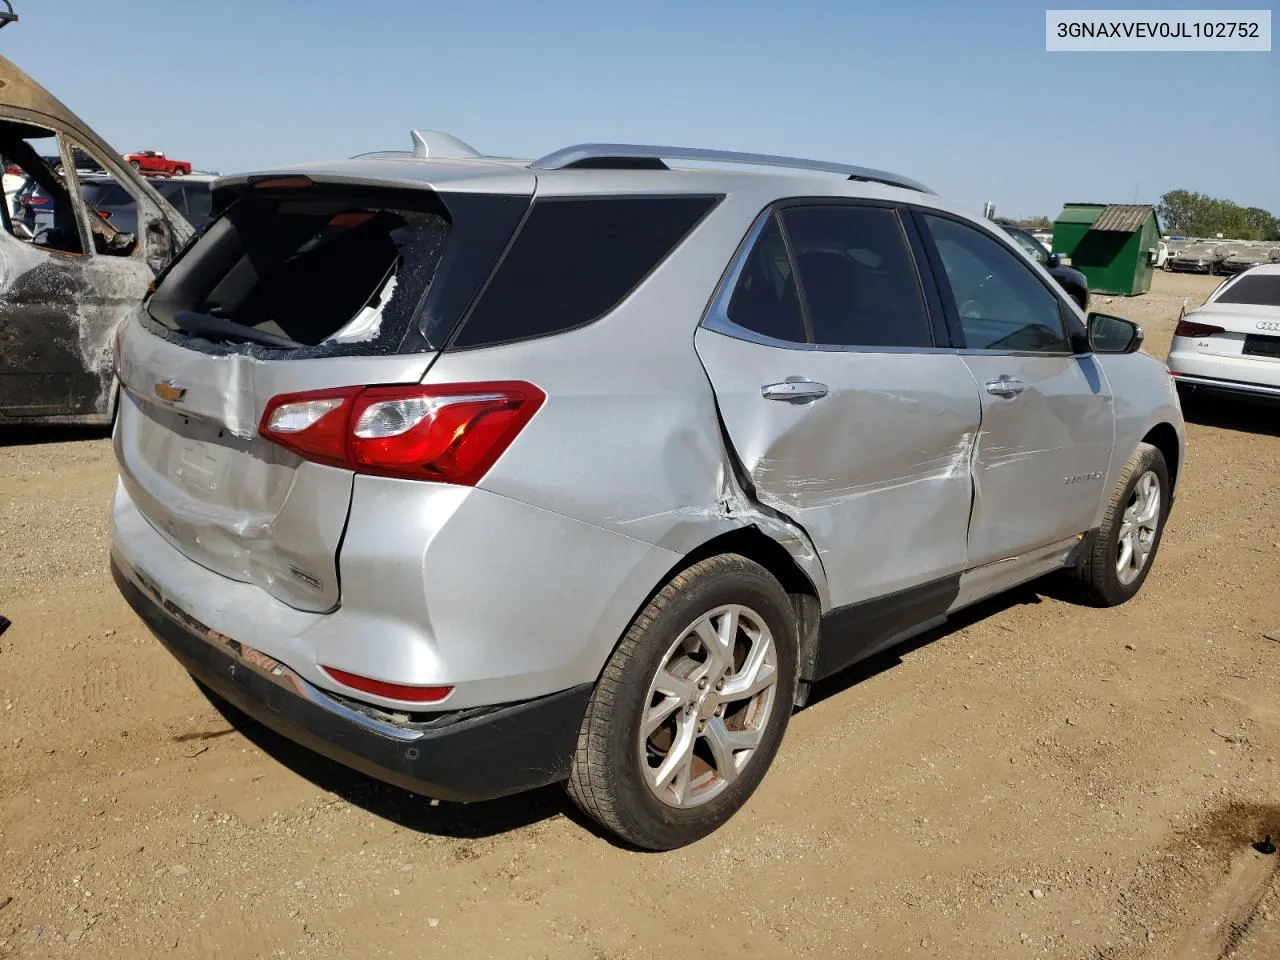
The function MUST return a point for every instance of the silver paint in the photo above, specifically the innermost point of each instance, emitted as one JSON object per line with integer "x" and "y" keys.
{"x": 655, "y": 439}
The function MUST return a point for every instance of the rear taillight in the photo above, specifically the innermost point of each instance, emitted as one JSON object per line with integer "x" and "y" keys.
{"x": 1189, "y": 328}
{"x": 392, "y": 691}
{"x": 450, "y": 434}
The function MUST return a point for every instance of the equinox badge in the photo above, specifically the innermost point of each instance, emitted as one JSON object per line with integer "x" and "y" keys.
{"x": 168, "y": 390}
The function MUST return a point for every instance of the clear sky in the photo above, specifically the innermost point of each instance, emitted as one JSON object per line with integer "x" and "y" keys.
{"x": 960, "y": 96}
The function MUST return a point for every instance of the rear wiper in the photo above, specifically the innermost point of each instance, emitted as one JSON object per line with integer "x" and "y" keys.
{"x": 222, "y": 330}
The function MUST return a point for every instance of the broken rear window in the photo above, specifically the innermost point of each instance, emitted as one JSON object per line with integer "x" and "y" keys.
{"x": 343, "y": 271}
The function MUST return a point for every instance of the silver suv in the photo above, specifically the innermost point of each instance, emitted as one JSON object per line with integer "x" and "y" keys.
{"x": 479, "y": 474}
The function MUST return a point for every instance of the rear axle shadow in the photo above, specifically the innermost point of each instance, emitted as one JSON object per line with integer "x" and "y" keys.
{"x": 29, "y": 435}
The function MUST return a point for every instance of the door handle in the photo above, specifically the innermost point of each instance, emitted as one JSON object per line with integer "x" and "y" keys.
{"x": 794, "y": 390}
{"x": 1006, "y": 387}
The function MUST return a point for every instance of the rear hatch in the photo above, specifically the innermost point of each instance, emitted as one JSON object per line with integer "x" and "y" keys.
{"x": 300, "y": 286}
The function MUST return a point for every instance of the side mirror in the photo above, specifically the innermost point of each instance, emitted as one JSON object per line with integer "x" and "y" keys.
{"x": 121, "y": 243}
{"x": 1113, "y": 334}
{"x": 1054, "y": 260}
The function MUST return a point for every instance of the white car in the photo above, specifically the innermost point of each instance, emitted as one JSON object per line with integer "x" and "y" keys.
{"x": 1231, "y": 345}
{"x": 1160, "y": 255}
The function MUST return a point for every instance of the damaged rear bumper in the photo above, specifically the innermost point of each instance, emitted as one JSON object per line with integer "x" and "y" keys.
{"x": 467, "y": 755}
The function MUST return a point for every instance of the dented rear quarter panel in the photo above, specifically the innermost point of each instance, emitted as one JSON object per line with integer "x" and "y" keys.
{"x": 629, "y": 438}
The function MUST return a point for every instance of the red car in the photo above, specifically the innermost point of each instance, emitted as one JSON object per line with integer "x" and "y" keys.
{"x": 153, "y": 161}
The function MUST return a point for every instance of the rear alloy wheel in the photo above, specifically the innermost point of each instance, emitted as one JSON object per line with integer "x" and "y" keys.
{"x": 1120, "y": 557}
{"x": 690, "y": 709}
{"x": 708, "y": 706}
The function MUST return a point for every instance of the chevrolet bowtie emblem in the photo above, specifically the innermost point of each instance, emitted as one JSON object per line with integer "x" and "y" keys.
{"x": 168, "y": 390}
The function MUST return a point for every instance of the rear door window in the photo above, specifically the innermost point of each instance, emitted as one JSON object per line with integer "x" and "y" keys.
{"x": 857, "y": 276}
{"x": 574, "y": 260}
{"x": 766, "y": 299}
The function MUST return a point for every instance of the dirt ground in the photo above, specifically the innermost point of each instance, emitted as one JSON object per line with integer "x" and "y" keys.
{"x": 1036, "y": 780}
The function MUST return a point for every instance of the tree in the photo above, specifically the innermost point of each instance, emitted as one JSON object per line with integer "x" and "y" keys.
{"x": 1035, "y": 223}
{"x": 1262, "y": 223}
{"x": 1199, "y": 215}
{"x": 1176, "y": 209}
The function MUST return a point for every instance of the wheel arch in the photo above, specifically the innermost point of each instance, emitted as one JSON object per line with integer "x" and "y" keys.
{"x": 1164, "y": 437}
{"x": 756, "y": 545}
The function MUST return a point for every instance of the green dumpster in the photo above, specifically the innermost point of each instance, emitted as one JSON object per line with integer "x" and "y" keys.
{"x": 1113, "y": 245}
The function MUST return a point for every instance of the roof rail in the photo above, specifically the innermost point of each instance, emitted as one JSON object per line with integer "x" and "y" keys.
{"x": 642, "y": 157}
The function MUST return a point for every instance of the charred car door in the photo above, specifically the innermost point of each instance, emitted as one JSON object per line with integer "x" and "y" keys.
{"x": 67, "y": 277}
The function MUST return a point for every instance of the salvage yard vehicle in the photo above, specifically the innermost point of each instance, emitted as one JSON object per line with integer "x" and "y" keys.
{"x": 1230, "y": 346}
{"x": 1197, "y": 258}
{"x": 153, "y": 161}
{"x": 481, "y": 474}
{"x": 67, "y": 276}
{"x": 1160, "y": 256}
{"x": 1242, "y": 258}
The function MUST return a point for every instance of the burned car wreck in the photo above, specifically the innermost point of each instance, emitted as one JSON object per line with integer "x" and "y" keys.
{"x": 67, "y": 281}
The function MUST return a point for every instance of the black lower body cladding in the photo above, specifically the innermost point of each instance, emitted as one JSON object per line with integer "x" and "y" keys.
{"x": 478, "y": 756}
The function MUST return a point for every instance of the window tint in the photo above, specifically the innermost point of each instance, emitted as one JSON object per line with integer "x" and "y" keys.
{"x": 171, "y": 190}
{"x": 1259, "y": 288}
{"x": 106, "y": 193}
{"x": 1001, "y": 303}
{"x": 1028, "y": 243}
{"x": 858, "y": 277}
{"x": 199, "y": 199}
{"x": 765, "y": 300}
{"x": 574, "y": 260}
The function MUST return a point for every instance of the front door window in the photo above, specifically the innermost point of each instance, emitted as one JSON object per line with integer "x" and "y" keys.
{"x": 39, "y": 206}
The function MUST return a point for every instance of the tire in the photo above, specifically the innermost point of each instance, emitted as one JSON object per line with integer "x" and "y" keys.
{"x": 1098, "y": 581}
{"x": 617, "y": 775}
{"x": 135, "y": 164}
{"x": 179, "y": 172}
